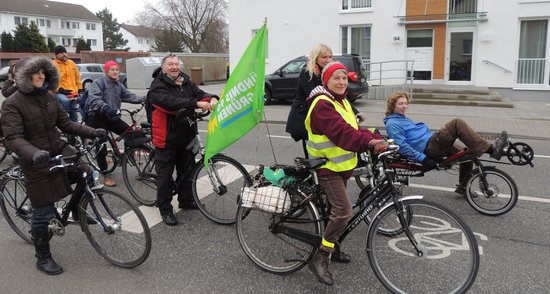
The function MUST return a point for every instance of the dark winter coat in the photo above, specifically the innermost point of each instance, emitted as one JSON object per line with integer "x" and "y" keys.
{"x": 298, "y": 111}
{"x": 167, "y": 98}
{"x": 29, "y": 120}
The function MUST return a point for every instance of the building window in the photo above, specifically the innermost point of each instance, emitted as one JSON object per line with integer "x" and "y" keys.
{"x": 68, "y": 25}
{"x": 41, "y": 22}
{"x": 91, "y": 42}
{"x": 533, "y": 52}
{"x": 48, "y": 23}
{"x": 76, "y": 25}
{"x": 140, "y": 41}
{"x": 356, "y": 4}
{"x": 21, "y": 20}
{"x": 356, "y": 40}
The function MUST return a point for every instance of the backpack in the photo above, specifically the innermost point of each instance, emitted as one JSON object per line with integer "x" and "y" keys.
{"x": 149, "y": 108}
{"x": 83, "y": 100}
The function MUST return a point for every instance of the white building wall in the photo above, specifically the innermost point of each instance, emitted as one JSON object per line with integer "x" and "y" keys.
{"x": 134, "y": 42}
{"x": 295, "y": 27}
{"x": 55, "y": 31}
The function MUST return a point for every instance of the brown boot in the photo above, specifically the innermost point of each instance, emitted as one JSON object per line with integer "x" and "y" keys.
{"x": 319, "y": 266}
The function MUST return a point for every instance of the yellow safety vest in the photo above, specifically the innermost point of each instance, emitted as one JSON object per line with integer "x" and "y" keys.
{"x": 320, "y": 146}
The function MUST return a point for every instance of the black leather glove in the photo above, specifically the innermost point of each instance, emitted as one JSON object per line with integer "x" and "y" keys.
{"x": 112, "y": 114}
{"x": 99, "y": 133}
{"x": 429, "y": 164}
{"x": 40, "y": 156}
{"x": 64, "y": 91}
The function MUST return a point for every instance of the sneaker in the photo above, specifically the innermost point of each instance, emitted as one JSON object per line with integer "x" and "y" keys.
{"x": 499, "y": 144}
{"x": 109, "y": 182}
{"x": 170, "y": 219}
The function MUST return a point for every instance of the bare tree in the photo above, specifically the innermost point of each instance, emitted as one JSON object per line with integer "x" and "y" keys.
{"x": 198, "y": 22}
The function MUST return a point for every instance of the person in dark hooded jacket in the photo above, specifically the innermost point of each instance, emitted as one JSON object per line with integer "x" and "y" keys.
{"x": 30, "y": 118}
{"x": 173, "y": 97}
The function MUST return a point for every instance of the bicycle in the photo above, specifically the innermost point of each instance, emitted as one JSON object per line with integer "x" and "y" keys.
{"x": 488, "y": 190}
{"x": 215, "y": 189}
{"x": 114, "y": 226}
{"x": 137, "y": 140}
{"x": 15, "y": 206}
{"x": 283, "y": 239}
{"x": 135, "y": 135}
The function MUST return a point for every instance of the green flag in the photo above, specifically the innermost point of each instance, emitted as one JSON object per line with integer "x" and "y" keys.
{"x": 241, "y": 106}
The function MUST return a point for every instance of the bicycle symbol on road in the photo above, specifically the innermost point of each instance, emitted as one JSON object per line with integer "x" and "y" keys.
{"x": 437, "y": 236}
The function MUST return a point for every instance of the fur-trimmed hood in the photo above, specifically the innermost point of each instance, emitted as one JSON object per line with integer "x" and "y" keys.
{"x": 23, "y": 75}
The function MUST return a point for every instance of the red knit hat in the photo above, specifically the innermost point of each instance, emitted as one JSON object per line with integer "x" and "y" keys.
{"x": 108, "y": 65}
{"x": 330, "y": 69}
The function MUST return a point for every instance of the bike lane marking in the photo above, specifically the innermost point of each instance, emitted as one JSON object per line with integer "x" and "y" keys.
{"x": 526, "y": 198}
{"x": 152, "y": 214}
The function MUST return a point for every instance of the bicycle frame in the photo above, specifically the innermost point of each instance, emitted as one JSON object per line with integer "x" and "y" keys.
{"x": 378, "y": 196}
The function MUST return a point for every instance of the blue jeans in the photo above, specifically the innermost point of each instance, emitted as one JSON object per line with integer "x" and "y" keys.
{"x": 41, "y": 218}
{"x": 70, "y": 106}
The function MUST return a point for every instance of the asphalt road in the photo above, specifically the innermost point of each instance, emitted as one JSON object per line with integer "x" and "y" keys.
{"x": 199, "y": 256}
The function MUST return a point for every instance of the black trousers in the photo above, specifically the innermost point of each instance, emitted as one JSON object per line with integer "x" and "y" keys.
{"x": 118, "y": 127}
{"x": 165, "y": 160}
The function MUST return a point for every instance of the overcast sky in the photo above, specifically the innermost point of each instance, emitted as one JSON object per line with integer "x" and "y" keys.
{"x": 123, "y": 10}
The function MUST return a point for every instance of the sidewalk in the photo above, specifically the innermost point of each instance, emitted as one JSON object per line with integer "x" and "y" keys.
{"x": 527, "y": 120}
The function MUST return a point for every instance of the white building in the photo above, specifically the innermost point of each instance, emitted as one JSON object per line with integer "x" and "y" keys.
{"x": 497, "y": 44}
{"x": 140, "y": 38}
{"x": 62, "y": 22}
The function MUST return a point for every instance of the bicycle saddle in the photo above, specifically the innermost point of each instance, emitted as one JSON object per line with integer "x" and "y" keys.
{"x": 312, "y": 163}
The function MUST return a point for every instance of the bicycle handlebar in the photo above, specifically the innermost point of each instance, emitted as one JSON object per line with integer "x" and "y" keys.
{"x": 81, "y": 151}
{"x": 133, "y": 112}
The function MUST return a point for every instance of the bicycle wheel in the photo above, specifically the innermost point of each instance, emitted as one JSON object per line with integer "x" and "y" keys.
{"x": 217, "y": 193}
{"x": 122, "y": 235}
{"x": 500, "y": 196}
{"x": 450, "y": 256}
{"x": 274, "y": 251}
{"x": 16, "y": 207}
{"x": 138, "y": 171}
{"x": 112, "y": 159}
{"x": 3, "y": 150}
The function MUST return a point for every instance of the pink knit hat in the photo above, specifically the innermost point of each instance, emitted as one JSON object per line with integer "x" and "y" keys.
{"x": 330, "y": 69}
{"x": 108, "y": 65}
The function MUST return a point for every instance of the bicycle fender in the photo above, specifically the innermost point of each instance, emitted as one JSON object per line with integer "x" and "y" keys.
{"x": 387, "y": 206}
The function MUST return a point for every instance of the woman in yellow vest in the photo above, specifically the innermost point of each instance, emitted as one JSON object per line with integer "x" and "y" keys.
{"x": 333, "y": 133}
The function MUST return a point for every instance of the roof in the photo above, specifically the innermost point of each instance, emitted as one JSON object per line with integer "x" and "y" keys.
{"x": 141, "y": 31}
{"x": 48, "y": 8}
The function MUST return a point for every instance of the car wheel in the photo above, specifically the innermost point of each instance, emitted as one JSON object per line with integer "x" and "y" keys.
{"x": 268, "y": 99}
{"x": 86, "y": 84}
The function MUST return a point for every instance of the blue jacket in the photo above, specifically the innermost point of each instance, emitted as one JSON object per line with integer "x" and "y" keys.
{"x": 412, "y": 137}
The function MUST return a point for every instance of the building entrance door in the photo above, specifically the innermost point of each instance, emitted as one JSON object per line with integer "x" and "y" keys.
{"x": 459, "y": 57}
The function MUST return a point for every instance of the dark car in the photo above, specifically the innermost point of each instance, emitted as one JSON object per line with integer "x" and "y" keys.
{"x": 281, "y": 85}
{"x": 91, "y": 71}
{"x": 3, "y": 75}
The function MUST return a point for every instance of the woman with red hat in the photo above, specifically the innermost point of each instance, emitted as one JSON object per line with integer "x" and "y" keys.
{"x": 105, "y": 96}
{"x": 333, "y": 133}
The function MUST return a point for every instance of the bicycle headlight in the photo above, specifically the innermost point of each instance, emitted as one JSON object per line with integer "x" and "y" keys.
{"x": 95, "y": 175}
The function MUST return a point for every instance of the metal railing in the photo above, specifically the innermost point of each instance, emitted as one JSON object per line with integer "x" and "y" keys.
{"x": 462, "y": 6}
{"x": 501, "y": 67}
{"x": 356, "y": 4}
{"x": 386, "y": 77}
{"x": 390, "y": 72}
{"x": 531, "y": 71}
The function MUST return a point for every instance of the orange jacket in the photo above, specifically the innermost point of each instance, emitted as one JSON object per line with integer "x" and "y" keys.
{"x": 69, "y": 76}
